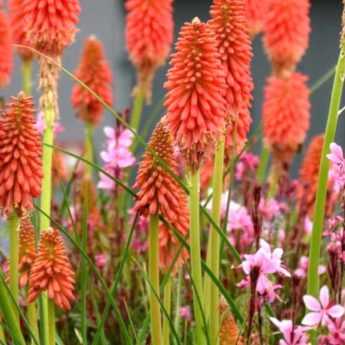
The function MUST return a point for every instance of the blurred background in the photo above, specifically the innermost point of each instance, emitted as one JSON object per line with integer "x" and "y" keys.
{"x": 106, "y": 18}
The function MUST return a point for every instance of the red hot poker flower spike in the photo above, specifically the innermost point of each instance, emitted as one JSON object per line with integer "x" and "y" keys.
{"x": 159, "y": 193}
{"x": 196, "y": 108}
{"x": 286, "y": 114}
{"x": 52, "y": 271}
{"x": 17, "y": 15}
{"x": 6, "y": 56}
{"x": 50, "y": 26}
{"x": 256, "y": 12}
{"x": 95, "y": 72}
{"x": 149, "y": 35}
{"x": 286, "y": 32}
{"x": 20, "y": 156}
{"x": 229, "y": 22}
{"x": 27, "y": 250}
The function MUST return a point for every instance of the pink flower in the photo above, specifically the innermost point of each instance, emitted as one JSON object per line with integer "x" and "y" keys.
{"x": 40, "y": 125}
{"x": 292, "y": 335}
{"x": 269, "y": 208}
{"x": 337, "y": 172}
{"x": 101, "y": 260}
{"x": 302, "y": 269}
{"x": 248, "y": 163}
{"x": 321, "y": 311}
{"x": 185, "y": 313}
{"x": 336, "y": 330}
{"x": 308, "y": 225}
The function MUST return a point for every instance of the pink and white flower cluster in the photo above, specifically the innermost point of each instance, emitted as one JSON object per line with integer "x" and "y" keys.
{"x": 337, "y": 172}
{"x": 116, "y": 156}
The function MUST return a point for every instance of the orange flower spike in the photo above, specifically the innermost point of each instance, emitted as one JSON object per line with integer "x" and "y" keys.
{"x": 95, "y": 72}
{"x": 17, "y": 16}
{"x": 50, "y": 26}
{"x": 286, "y": 32}
{"x": 149, "y": 36}
{"x": 159, "y": 193}
{"x": 6, "y": 53}
{"x": 52, "y": 271}
{"x": 256, "y": 11}
{"x": 27, "y": 250}
{"x": 196, "y": 107}
{"x": 229, "y": 22}
{"x": 20, "y": 156}
{"x": 286, "y": 114}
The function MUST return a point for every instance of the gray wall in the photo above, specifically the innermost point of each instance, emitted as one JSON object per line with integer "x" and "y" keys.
{"x": 105, "y": 19}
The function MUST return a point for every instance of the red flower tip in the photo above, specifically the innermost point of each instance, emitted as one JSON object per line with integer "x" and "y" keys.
{"x": 95, "y": 72}
{"x": 17, "y": 16}
{"x": 52, "y": 271}
{"x": 286, "y": 114}
{"x": 50, "y": 26}
{"x": 27, "y": 250}
{"x": 6, "y": 56}
{"x": 286, "y": 32}
{"x": 196, "y": 107}
{"x": 20, "y": 156}
{"x": 149, "y": 36}
{"x": 256, "y": 11}
{"x": 171, "y": 250}
{"x": 229, "y": 22}
{"x": 159, "y": 192}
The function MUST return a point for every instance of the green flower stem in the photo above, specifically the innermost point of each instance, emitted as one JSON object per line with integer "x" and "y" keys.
{"x": 213, "y": 252}
{"x": 32, "y": 320}
{"x": 262, "y": 168}
{"x": 167, "y": 307}
{"x": 48, "y": 138}
{"x": 156, "y": 328}
{"x": 51, "y": 318}
{"x": 27, "y": 76}
{"x": 2, "y": 334}
{"x": 13, "y": 225}
{"x": 89, "y": 129}
{"x": 319, "y": 213}
{"x": 138, "y": 105}
{"x": 10, "y": 316}
{"x": 178, "y": 301}
{"x": 196, "y": 273}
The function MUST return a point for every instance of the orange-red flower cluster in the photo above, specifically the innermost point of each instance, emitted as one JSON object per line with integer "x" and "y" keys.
{"x": 229, "y": 22}
{"x": 50, "y": 26}
{"x": 27, "y": 250}
{"x": 229, "y": 333}
{"x": 286, "y": 32}
{"x": 95, "y": 72}
{"x": 196, "y": 107}
{"x": 256, "y": 12}
{"x": 6, "y": 56}
{"x": 20, "y": 156}
{"x": 17, "y": 16}
{"x": 52, "y": 271}
{"x": 149, "y": 36}
{"x": 286, "y": 114}
{"x": 159, "y": 192}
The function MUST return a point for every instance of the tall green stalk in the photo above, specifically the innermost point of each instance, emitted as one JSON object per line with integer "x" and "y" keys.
{"x": 195, "y": 251}
{"x": 213, "y": 252}
{"x": 27, "y": 76}
{"x": 13, "y": 225}
{"x": 32, "y": 320}
{"x": 167, "y": 307}
{"x": 89, "y": 129}
{"x": 138, "y": 105}
{"x": 262, "y": 168}
{"x": 2, "y": 333}
{"x": 48, "y": 317}
{"x": 156, "y": 328}
{"x": 319, "y": 213}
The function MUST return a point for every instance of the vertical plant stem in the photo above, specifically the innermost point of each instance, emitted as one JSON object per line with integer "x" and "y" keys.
{"x": 51, "y": 318}
{"x": 32, "y": 320}
{"x": 262, "y": 168}
{"x": 46, "y": 196}
{"x": 167, "y": 307}
{"x": 89, "y": 148}
{"x": 13, "y": 225}
{"x": 27, "y": 76}
{"x": 319, "y": 213}
{"x": 137, "y": 109}
{"x": 178, "y": 302}
{"x": 156, "y": 328}
{"x": 2, "y": 333}
{"x": 213, "y": 253}
{"x": 194, "y": 199}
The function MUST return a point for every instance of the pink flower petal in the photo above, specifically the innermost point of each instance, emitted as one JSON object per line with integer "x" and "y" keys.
{"x": 324, "y": 296}
{"x": 311, "y": 319}
{"x": 311, "y": 303}
{"x": 336, "y": 311}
